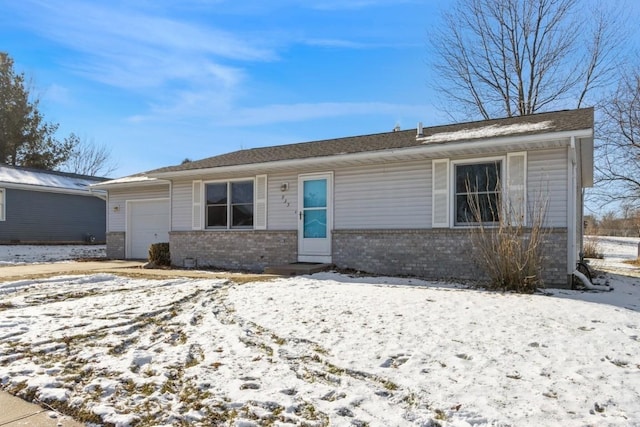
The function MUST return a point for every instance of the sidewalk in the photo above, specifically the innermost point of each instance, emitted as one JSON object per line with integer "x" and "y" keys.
{"x": 17, "y": 412}
{"x": 129, "y": 268}
{"x": 33, "y": 271}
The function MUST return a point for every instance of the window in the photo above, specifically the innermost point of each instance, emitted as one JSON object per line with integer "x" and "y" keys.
{"x": 229, "y": 204}
{"x": 477, "y": 192}
{"x": 2, "y": 203}
{"x": 498, "y": 184}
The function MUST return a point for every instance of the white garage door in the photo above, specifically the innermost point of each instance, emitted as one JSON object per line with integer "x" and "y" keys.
{"x": 149, "y": 222}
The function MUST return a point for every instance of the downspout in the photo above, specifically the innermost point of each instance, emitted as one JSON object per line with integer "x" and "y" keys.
{"x": 571, "y": 228}
{"x": 571, "y": 207}
{"x": 100, "y": 195}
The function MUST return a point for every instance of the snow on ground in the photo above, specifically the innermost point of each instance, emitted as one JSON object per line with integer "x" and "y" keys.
{"x": 326, "y": 349}
{"x": 29, "y": 254}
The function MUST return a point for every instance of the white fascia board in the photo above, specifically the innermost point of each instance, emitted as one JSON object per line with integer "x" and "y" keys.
{"x": 127, "y": 184}
{"x": 45, "y": 189}
{"x": 427, "y": 148}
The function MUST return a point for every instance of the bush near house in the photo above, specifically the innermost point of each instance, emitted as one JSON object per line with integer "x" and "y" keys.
{"x": 159, "y": 254}
{"x": 509, "y": 251}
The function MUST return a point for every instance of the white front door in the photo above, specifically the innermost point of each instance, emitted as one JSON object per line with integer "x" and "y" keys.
{"x": 315, "y": 217}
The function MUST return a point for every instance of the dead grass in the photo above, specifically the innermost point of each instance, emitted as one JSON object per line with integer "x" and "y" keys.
{"x": 591, "y": 249}
{"x": 510, "y": 250}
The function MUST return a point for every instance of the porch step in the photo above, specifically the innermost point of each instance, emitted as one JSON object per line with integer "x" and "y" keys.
{"x": 296, "y": 268}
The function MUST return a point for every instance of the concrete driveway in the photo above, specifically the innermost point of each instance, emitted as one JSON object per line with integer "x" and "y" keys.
{"x": 126, "y": 268}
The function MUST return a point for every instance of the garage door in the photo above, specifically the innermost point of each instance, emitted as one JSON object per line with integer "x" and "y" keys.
{"x": 149, "y": 222}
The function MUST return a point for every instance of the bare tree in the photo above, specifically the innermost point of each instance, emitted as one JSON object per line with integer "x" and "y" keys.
{"x": 517, "y": 57}
{"x": 618, "y": 145}
{"x": 89, "y": 158}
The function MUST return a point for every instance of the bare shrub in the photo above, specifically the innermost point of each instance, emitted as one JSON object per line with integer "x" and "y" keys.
{"x": 591, "y": 249}
{"x": 508, "y": 250}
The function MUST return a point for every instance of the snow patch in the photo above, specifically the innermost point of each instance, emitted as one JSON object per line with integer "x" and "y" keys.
{"x": 486, "y": 132}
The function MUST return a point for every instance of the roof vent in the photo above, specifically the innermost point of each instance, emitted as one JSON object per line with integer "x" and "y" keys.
{"x": 420, "y": 130}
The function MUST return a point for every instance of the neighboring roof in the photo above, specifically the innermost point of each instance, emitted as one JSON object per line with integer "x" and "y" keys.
{"x": 43, "y": 180}
{"x": 559, "y": 121}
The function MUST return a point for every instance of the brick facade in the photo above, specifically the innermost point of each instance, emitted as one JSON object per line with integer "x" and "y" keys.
{"x": 431, "y": 253}
{"x": 427, "y": 253}
{"x": 116, "y": 245}
{"x": 251, "y": 250}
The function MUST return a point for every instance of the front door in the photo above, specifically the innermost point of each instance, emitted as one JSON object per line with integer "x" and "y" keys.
{"x": 315, "y": 217}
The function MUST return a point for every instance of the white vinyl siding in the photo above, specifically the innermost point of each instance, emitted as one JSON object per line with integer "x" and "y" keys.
{"x": 282, "y": 211}
{"x": 387, "y": 196}
{"x": 118, "y": 201}
{"x": 547, "y": 179}
{"x": 182, "y": 199}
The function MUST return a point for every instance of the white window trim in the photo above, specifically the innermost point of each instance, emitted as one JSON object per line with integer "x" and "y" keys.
{"x": 3, "y": 204}
{"x": 261, "y": 185}
{"x": 512, "y": 188}
{"x": 440, "y": 194}
{"x": 197, "y": 222}
{"x": 452, "y": 184}
{"x": 203, "y": 198}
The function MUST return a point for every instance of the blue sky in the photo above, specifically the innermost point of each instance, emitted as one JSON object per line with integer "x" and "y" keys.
{"x": 159, "y": 81}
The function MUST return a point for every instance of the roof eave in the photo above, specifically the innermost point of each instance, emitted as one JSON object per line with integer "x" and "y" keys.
{"x": 114, "y": 184}
{"x": 427, "y": 148}
{"x": 45, "y": 189}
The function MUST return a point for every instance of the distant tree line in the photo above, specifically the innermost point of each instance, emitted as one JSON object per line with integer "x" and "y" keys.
{"x": 611, "y": 224}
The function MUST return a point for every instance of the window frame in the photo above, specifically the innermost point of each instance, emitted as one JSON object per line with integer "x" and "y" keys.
{"x": 454, "y": 193}
{"x": 229, "y": 204}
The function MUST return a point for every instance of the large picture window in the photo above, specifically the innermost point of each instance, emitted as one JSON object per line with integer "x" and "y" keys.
{"x": 477, "y": 192}
{"x": 229, "y": 204}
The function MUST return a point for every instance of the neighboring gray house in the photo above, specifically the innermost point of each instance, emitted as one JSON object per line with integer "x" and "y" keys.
{"x": 388, "y": 203}
{"x": 38, "y": 206}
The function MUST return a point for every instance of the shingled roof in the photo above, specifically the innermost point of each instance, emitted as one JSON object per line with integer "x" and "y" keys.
{"x": 559, "y": 121}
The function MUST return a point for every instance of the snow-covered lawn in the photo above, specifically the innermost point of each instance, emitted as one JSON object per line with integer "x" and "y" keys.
{"x": 326, "y": 349}
{"x": 29, "y": 254}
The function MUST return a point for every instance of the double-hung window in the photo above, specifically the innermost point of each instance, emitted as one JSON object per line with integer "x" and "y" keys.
{"x": 477, "y": 197}
{"x": 229, "y": 204}
{"x": 479, "y": 191}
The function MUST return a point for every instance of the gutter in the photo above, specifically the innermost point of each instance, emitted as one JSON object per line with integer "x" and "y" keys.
{"x": 117, "y": 183}
{"x": 45, "y": 189}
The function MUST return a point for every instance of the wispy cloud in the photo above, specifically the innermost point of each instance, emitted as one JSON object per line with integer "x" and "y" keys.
{"x": 180, "y": 67}
{"x": 283, "y": 113}
{"x": 353, "y": 4}
{"x": 121, "y": 46}
{"x": 58, "y": 94}
{"x": 94, "y": 28}
{"x": 344, "y": 44}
